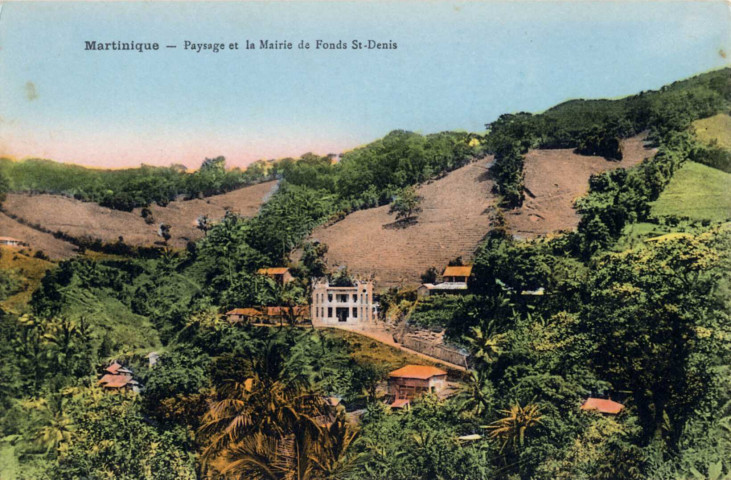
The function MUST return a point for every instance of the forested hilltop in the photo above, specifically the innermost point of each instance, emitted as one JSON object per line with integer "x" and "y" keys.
{"x": 633, "y": 305}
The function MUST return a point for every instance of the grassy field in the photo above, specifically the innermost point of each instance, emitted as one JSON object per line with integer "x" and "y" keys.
{"x": 368, "y": 350}
{"x": 29, "y": 269}
{"x": 698, "y": 192}
{"x": 717, "y": 127}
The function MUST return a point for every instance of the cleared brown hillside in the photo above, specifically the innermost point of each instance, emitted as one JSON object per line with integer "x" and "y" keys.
{"x": 77, "y": 219}
{"x": 554, "y": 179}
{"x": 453, "y": 221}
{"x": 50, "y": 245}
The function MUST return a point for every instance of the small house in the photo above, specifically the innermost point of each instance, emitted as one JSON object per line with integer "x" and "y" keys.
{"x": 454, "y": 281}
{"x": 410, "y": 381}
{"x": 457, "y": 274}
{"x": 12, "y": 242}
{"x": 602, "y": 405}
{"x": 243, "y": 315}
{"x": 424, "y": 290}
{"x": 117, "y": 377}
{"x": 280, "y": 275}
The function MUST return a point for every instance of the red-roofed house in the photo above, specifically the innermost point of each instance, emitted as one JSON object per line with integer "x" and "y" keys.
{"x": 113, "y": 368}
{"x": 602, "y": 405}
{"x": 238, "y": 315}
{"x": 280, "y": 275}
{"x": 411, "y": 381}
{"x": 457, "y": 274}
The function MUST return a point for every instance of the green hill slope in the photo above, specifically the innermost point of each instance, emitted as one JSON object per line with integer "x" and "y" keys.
{"x": 698, "y": 192}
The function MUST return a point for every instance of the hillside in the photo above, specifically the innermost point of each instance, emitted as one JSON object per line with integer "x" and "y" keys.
{"x": 453, "y": 221}
{"x": 555, "y": 178}
{"x": 715, "y": 129}
{"x": 455, "y": 215}
{"x": 698, "y": 192}
{"x": 76, "y": 218}
{"x": 45, "y": 242}
{"x": 29, "y": 270}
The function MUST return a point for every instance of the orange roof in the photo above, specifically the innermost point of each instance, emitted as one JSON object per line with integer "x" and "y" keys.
{"x": 113, "y": 368}
{"x": 117, "y": 381}
{"x": 273, "y": 271}
{"x": 8, "y": 239}
{"x": 252, "y": 312}
{"x": 422, "y": 372}
{"x": 602, "y": 405}
{"x": 463, "y": 271}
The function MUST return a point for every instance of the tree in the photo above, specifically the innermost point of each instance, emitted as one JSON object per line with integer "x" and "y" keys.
{"x": 485, "y": 344}
{"x": 650, "y": 312}
{"x": 430, "y": 275}
{"x": 163, "y": 230}
{"x": 4, "y": 186}
{"x": 406, "y": 204}
{"x": 203, "y": 224}
{"x": 512, "y": 428}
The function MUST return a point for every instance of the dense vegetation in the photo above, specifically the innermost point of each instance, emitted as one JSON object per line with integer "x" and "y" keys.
{"x": 647, "y": 325}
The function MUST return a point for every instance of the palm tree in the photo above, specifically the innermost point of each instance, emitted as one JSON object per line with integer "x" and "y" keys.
{"x": 311, "y": 451}
{"x": 262, "y": 399}
{"x": 511, "y": 429}
{"x": 331, "y": 455}
{"x": 476, "y": 392}
{"x": 55, "y": 432}
{"x": 485, "y": 344}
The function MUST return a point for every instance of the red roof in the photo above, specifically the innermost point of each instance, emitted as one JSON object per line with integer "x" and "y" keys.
{"x": 422, "y": 372}
{"x": 273, "y": 271}
{"x": 113, "y": 368}
{"x": 458, "y": 271}
{"x": 602, "y": 405}
{"x": 114, "y": 381}
{"x": 251, "y": 312}
{"x": 118, "y": 381}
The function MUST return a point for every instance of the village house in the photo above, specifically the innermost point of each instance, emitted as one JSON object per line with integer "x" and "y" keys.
{"x": 243, "y": 315}
{"x": 280, "y": 275}
{"x": 350, "y": 306}
{"x": 602, "y": 405}
{"x": 410, "y": 381}
{"x": 454, "y": 281}
{"x": 118, "y": 378}
{"x": 278, "y": 314}
{"x": 12, "y": 242}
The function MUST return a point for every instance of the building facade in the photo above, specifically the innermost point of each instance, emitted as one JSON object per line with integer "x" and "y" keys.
{"x": 410, "y": 381}
{"x": 343, "y": 306}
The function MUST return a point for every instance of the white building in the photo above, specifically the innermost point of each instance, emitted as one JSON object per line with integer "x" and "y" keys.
{"x": 343, "y": 305}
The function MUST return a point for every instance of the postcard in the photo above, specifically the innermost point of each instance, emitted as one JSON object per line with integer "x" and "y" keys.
{"x": 352, "y": 240}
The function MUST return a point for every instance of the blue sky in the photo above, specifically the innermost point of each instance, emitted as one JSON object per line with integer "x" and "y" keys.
{"x": 458, "y": 65}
